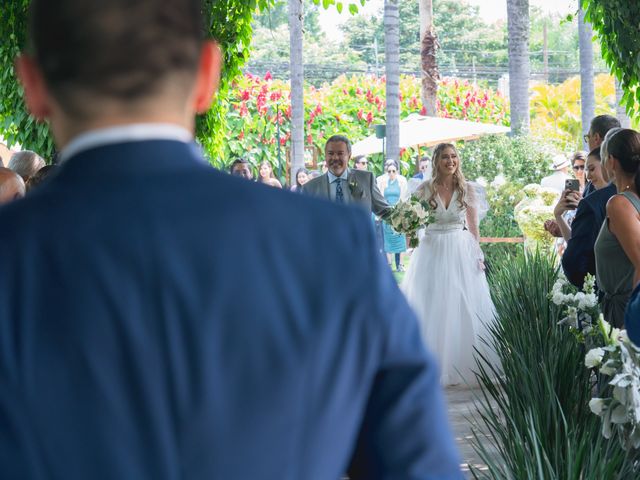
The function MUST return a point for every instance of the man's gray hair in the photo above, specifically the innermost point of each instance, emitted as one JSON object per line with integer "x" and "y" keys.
{"x": 26, "y": 163}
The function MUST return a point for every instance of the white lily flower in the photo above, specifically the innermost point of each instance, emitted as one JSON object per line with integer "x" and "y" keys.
{"x": 593, "y": 358}
{"x": 597, "y": 405}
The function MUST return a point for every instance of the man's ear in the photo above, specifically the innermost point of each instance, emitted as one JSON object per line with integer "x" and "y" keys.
{"x": 36, "y": 94}
{"x": 208, "y": 76}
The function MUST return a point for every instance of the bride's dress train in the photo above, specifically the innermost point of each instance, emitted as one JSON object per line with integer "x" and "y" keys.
{"x": 449, "y": 292}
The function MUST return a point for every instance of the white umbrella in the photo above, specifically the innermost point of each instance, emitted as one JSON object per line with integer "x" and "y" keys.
{"x": 425, "y": 131}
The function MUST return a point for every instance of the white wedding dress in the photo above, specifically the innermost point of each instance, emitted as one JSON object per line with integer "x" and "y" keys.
{"x": 448, "y": 289}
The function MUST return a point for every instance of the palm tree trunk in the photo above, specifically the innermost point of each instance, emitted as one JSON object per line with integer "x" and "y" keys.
{"x": 392, "y": 67}
{"x": 297, "y": 86}
{"x": 519, "y": 67}
{"x": 429, "y": 65}
{"x": 587, "y": 87}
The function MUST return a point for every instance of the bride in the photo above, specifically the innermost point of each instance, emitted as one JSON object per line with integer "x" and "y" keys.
{"x": 445, "y": 282}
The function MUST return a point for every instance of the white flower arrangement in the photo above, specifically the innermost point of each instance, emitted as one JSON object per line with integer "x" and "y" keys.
{"x": 581, "y": 307}
{"x": 619, "y": 403}
{"x": 410, "y": 216}
{"x": 614, "y": 359}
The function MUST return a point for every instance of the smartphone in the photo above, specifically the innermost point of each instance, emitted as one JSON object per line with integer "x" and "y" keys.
{"x": 572, "y": 184}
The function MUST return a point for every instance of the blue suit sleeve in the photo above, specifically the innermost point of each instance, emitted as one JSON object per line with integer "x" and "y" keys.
{"x": 632, "y": 317}
{"x": 405, "y": 431}
{"x": 578, "y": 258}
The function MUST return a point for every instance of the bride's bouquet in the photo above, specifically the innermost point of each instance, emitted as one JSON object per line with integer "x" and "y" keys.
{"x": 410, "y": 216}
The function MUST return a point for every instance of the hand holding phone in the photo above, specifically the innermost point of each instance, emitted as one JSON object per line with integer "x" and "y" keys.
{"x": 572, "y": 184}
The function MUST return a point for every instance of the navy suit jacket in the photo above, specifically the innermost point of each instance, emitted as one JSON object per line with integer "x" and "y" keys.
{"x": 162, "y": 320}
{"x": 579, "y": 258}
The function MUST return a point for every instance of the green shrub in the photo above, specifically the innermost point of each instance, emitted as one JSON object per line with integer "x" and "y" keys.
{"x": 522, "y": 159}
{"x": 534, "y": 407}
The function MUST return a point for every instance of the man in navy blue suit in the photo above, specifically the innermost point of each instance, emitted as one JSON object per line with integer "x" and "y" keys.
{"x": 126, "y": 351}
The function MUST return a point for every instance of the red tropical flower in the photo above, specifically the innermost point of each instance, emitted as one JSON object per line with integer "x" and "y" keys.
{"x": 369, "y": 117}
{"x": 268, "y": 76}
{"x": 423, "y": 110}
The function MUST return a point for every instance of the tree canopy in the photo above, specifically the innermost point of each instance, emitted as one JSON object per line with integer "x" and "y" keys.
{"x": 616, "y": 24}
{"x": 228, "y": 21}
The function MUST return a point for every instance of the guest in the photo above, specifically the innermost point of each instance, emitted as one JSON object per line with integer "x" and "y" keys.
{"x": 394, "y": 188}
{"x": 26, "y": 163}
{"x": 138, "y": 358}
{"x": 617, "y": 247}
{"x": 265, "y": 175}
{"x": 425, "y": 169}
{"x": 343, "y": 185}
{"x": 578, "y": 161}
{"x": 361, "y": 162}
{"x": 40, "y": 176}
{"x": 598, "y": 129}
{"x": 11, "y": 186}
{"x": 578, "y": 259}
{"x": 240, "y": 167}
{"x": 302, "y": 177}
{"x": 560, "y": 167}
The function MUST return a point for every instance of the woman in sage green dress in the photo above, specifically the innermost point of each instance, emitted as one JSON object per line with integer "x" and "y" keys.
{"x": 617, "y": 247}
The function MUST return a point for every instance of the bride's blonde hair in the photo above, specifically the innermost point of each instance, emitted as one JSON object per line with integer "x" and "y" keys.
{"x": 459, "y": 182}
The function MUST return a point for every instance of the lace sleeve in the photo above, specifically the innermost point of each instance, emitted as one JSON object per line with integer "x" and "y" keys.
{"x": 422, "y": 191}
{"x": 477, "y": 207}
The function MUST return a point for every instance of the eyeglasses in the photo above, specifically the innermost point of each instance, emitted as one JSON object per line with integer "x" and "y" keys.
{"x": 586, "y": 137}
{"x": 391, "y": 171}
{"x": 578, "y": 167}
{"x": 363, "y": 162}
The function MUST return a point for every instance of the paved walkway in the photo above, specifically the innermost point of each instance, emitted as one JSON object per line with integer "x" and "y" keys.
{"x": 460, "y": 405}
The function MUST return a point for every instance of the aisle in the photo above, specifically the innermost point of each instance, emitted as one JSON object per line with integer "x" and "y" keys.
{"x": 460, "y": 406}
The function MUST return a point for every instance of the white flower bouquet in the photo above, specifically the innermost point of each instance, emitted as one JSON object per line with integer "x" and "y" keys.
{"x": 582, "y": 308}
{"x": 618, "y": 405}
{"x": 410, "y": 216}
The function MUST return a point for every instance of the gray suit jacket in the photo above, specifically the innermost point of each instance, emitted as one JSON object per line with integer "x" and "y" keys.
{"x": 362, "y": 187}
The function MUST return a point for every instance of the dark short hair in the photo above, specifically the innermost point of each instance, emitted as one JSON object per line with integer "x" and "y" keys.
{"x": 113, "y": 49}
{"x": 579, "y": 155}
{"x": 359, "y": 158}
{"x": 602, "y": 124}
{"x": 239, "y": 161}
{"x": 40, "y": 176}
{"x": 339, "y": 138}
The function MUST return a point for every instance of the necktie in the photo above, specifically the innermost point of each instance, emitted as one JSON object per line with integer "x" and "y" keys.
{"x": 339, "y": 192}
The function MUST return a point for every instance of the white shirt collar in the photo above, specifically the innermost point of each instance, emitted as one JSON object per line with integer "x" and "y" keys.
{"x": 124, "y": 133}
{"x": 332, "y": 177}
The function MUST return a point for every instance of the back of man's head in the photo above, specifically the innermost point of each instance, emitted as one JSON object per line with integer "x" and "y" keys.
{"x": 602, "y": 124}
{"x": 11, "y": 186}
{"x": 26, "y": 163}
{"x": 95, "y": 52}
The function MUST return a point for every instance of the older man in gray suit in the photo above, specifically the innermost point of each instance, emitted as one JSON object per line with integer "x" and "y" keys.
{"x": 343, "y": 185}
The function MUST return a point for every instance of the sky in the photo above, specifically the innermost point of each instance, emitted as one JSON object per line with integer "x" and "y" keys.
{"x": 490, "y": 10}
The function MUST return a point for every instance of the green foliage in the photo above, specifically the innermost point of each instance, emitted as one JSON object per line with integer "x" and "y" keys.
{"x": 461, "y": 31}
{"x": 228, "y": 21}
{"x": 555, "y": 110}
{"x": 349, "y": 105}
{"x": 524, "y": 159}
{"x": 16, "y": 126}
{"x": 533, "y": 402}
{"x": 616, "y": 24}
